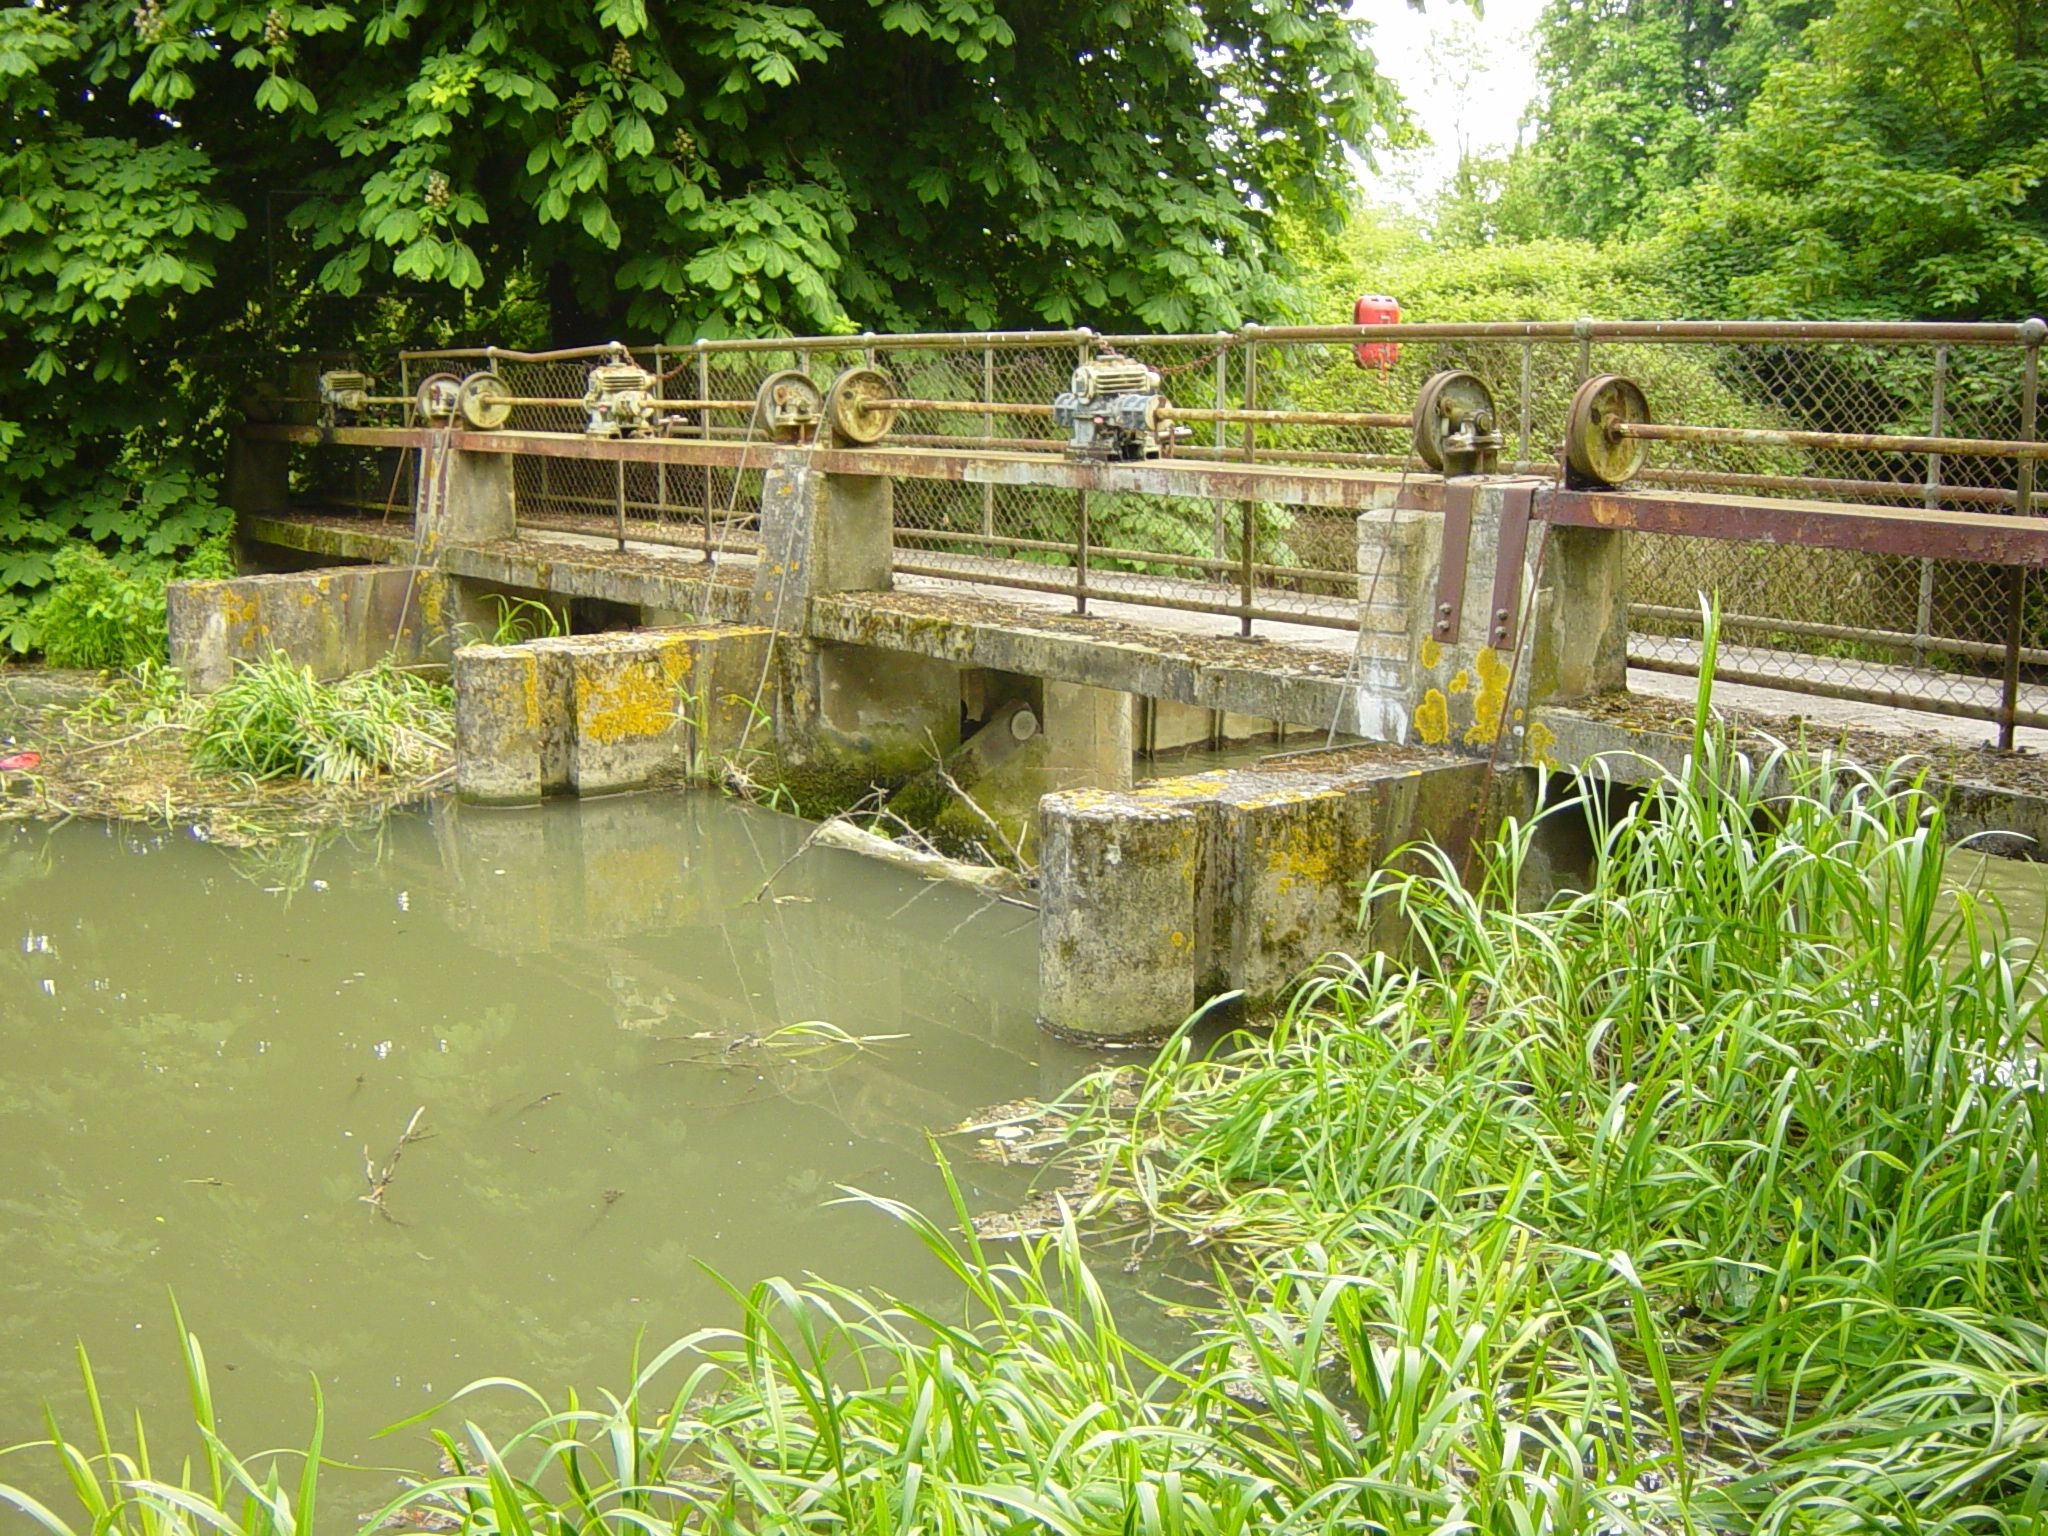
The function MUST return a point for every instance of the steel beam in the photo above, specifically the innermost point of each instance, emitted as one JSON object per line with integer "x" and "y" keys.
{"x": 1981, "y": 538}
{"x": 1977, "y": 537}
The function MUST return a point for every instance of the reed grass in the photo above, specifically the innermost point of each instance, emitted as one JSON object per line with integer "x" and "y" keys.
{"x": 276, "y": 720}
{"x": 1705, "y": 1199}
{"x": 1718, "y": 1181}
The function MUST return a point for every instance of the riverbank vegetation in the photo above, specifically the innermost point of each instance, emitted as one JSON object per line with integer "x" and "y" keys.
{"x": 1706, "y": 1198}
{"x": 276, "y": 752}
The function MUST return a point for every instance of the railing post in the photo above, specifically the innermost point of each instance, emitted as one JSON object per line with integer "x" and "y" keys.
{"x": 660, "y": 469}
{"x": 1219, "y": 542}
{"x": 1081, "y": 554}
{"x": 1084, "y": 350}
{"x": 1247, "y": 511}
{"x": 1528, "y": 402}
{"x": 1923, "y": 618}
{"x": 1583, "y": 329}
{"x": 619, "y": 499}
{"x": 704, "y": 432}
{"x": 988, "y": 432}
{"x": 2032, "y": 334}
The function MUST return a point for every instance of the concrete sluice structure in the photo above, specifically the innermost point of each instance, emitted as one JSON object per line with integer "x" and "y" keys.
{"x": 1486, "y": 607}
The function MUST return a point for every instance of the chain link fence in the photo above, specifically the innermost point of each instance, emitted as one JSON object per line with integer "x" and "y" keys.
{"x": 1934, "y": 634}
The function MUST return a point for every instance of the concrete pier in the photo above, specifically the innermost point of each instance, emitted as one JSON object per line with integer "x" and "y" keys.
{"x": 1156, "y": 900}
{"x": 334, "y": 621}
{"x": 1528, "y": 617}
{"x": 592, "y": 714}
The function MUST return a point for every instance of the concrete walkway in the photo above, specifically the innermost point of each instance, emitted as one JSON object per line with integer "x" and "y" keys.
{"x": 1663, "y": 685}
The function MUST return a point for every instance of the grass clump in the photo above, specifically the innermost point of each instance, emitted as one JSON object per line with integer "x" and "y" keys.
{"x": 1709, "y": 1197}
{"x": 276, "y": 720}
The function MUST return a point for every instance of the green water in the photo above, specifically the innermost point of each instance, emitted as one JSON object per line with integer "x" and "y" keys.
{"x": 197, "y": 1052}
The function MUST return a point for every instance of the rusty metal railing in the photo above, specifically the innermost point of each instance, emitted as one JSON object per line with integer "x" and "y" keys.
{"x": 1877, "y": 414}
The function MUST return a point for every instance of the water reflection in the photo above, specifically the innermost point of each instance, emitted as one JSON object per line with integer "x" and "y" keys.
{"x": 197, "y": 1068}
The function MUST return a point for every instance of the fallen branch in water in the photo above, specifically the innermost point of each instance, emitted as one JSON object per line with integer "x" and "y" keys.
{"x": 998, "y": 882}
{"x": 379, "y": 1179}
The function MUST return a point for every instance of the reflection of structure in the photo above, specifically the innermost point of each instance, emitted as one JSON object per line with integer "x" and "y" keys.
{"x": 652, "y": 899}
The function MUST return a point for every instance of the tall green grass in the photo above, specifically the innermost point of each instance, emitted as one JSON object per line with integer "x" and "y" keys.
{"x": 276, "y": 720}
{"x": 1718, "y": 1181}
{"x": 1706, "y": 1199}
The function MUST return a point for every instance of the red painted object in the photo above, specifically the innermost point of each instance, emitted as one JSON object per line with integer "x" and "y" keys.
{"x": 20, "y": 760}
{"x": 1377, "y": 309}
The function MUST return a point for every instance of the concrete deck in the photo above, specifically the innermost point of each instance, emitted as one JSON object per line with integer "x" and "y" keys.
{"x": 1289, "y": 672}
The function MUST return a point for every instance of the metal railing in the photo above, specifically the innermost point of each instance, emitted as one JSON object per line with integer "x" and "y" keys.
{"x": 1945, "y": 636}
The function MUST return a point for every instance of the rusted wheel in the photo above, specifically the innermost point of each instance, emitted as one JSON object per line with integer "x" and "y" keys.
{"x": 483, "y": 402}
{"x": 786, "y": 404}
{"x": 849, "y": 410}
{"x": 1593, "y": 454}
{"x": 434, "y": 400}
{"x": 1447, "y": 403}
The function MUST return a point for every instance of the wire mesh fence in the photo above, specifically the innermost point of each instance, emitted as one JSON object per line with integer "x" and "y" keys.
{"x": 1944, "y": 635}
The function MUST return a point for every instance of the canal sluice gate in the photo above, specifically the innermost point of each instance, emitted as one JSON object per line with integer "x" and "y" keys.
{"x": 503, "y": 1080}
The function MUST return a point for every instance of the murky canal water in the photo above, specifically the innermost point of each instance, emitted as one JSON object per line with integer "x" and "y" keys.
{"x": 198, "y": 1053}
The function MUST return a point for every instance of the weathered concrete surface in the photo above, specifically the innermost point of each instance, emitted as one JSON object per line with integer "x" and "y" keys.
{"x": 1121, "y": 943}
{"x": 334, "y": 621}
{"x": 1156, "y": 900}
{"x": 335, "y": 538}
{"x": 848, "y": 713}
{"x": 598, "y": 713}
{"x": 1464, "y": 691}
{"x": 819, "y": 533}
{"x": 1272, "y": 682}
{"x": 1266, "y": 681}
{"x": 1056, "y": 736}
{"x": 1170, "y": 727}
{"x": 512, "y": 715}
{"x": 463, "y": 498}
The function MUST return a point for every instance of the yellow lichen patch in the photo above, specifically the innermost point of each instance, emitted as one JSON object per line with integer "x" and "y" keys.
{"x": 1303, "y": 855}
{"x": 1541, "y": 739}
{"x": 1433, "y": 718}
{"x": 530, "y": 689}
{"x": 1432, "y": 653}
{"x": 633, "y": 702}
{"x": 1461, "y": 682}
{"x": 1490, "y": 702}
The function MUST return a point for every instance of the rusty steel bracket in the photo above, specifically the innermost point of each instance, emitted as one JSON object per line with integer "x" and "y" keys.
{"x": 1517, "y": 508}
{"x": 1450, "y": 578}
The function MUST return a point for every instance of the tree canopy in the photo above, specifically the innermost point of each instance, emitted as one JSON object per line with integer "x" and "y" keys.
{"x": 1877, "y": 159}
{"x": 1896, "y": 167}
{"x": 187, "y": 177}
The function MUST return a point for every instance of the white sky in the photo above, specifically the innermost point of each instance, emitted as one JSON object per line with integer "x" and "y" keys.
{"x": 1467, "y": 79}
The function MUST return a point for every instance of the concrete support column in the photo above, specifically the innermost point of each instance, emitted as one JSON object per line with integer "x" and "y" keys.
{"x": 597, "y": 713}
{"x": 463, "y": 498}
{"x": 1120, "y": 954}
{"x": 819, "y": 533}
{"x": 1437, "y": 683}
{"x": 1155, "y": 901}
{"x": 1087, "y": 737}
